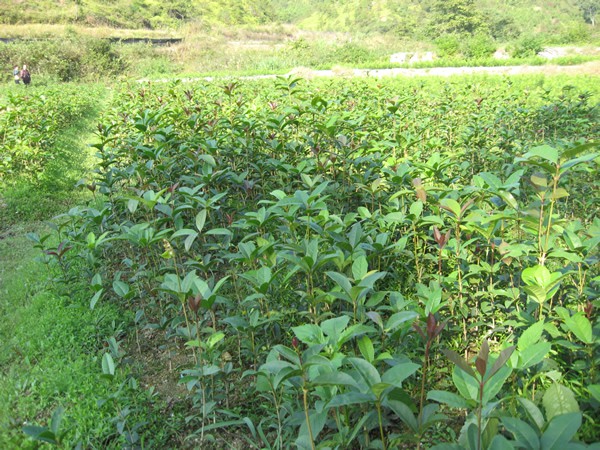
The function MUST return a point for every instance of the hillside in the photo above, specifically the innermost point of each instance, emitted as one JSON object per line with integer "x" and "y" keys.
{"x": 425, "y": 19}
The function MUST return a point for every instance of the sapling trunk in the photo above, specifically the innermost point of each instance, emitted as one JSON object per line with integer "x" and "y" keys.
{"x": 380, "y": 420}
{"x": 305, "y": 402}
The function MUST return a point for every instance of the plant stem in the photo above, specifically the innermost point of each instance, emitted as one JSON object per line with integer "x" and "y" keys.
{"x": 310, "y": 433}
{"x": 378, "y": 406}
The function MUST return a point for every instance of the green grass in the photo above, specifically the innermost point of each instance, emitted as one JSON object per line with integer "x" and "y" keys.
{"x": 52, "y": 344}
{"x": 50, "y": 355}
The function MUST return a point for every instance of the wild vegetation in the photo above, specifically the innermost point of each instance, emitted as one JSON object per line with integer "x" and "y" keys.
{"x": 76, "y": 41}
{"x": 337, "y": 264}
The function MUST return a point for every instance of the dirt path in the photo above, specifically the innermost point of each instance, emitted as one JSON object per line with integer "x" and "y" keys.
{"x": 591, "y": 68}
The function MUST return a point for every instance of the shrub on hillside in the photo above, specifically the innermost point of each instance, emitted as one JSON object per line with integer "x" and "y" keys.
{"x": 66, "y": 59}
{"x": 351, "y": 53}
{"x": 447, "y": 45}
{"x": 526, "y": 46}
{"x": 478, "y": 46}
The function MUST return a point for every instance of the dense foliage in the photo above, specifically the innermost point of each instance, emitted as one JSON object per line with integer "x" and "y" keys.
{"x": 351, "y": 264}
{"x": 409, "y": 19}
{"x": 30, "y": 122}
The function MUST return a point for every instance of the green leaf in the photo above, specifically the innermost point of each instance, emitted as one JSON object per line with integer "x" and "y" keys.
{"x": 537, "y": 293}
{"x": 404, "y": 413}
{"x": 214, "y": 339}
{"x": 366, "y": 371}
{"x": 495, "y": 383}
{"x": 545, "y": 152}
{"x": 183, "y": 232}
{"x": 108, "y": 364}
{"x": 200, "y": 220}
{"x": 502, "y": 358}
{"x": 491, "y": 180}
{"x": 559, "y": 399}
{"x": 334, "y": 327}
{"x": 559, "y": 193}
{"x": 309, "y": 334}
{"x": 95, "y": 298}
{"x": 335, "y": 379}
{"x": 56, "y": 420}
{"x": 572, "y": 152}
{"x": 581, "y": 327}
{"x": 416, "y": 209}
{"x": 537, "y": 276}
{"x": 190, "y": 279}
{"x": 499, "y": 442}
{"x": 189, "y": 241}
{"x": 451, "y": 206}
{"x": 459, "y": 361}
{"x": 467, "y": 385}
{"x": 533, "y": 355}
{"x": 560, "y": 430}
{"x": 40, "y": 434}
{"x": 350, "y": 398}
{"x": 400, "y": 372}
{"x": 509, "y": 199}
{"x": 341, "y": 280}
{"x": 533, "y": 412}
{"x": 399, "y": 318}
{"x": 360, "y": 267}
{"x": 219, "y": 232}
{"x": 448, "y": 398}
{"x": 531, "y": 335}
{"x": 120, "y": 288}
{"x": 573, "y": 162}
{"x": 366, "y": 348}
{"x": 594, "y": 390}
{"x": 525, "y": 436}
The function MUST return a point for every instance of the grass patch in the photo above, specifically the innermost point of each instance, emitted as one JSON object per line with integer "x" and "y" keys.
{"x": 45, "y": 30}
{"x": 51, "y": 351}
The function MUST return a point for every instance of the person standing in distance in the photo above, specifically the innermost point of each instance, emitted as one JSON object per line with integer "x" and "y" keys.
{"x": 16, "y": 75}
{"x": 25, "y": 76}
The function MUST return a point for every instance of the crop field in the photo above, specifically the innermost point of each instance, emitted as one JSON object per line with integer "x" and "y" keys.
{"x": 399, "y": 263}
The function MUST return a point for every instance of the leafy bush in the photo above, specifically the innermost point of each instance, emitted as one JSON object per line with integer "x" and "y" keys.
{"x": 351, "y": 53}
{"x": 67, "y": 59}
{"x": 308, "y": 247}
{"x": 526, "y": 46}
{"x": 478, "y": 46}
{"x": 448, "y": 45}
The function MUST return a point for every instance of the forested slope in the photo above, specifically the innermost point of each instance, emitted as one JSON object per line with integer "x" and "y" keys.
{"x": 425, "y": 18}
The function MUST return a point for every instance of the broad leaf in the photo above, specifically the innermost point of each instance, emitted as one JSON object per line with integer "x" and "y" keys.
{"x": 525, "y": 436}
{"x": 404, "y": 413}
{"x": 531, "y": 335}
{"x": 558, "y": 400}
{"x": 366, "y": 371}
{"x": 448, "y": 398}
{"x": 335, "y": 379}
{"x": 400, "y": 372}
{"x": 533, "y": 412}
{"x": 350, "y": 398}
{"x": 366, "y": 348}
{"x": 459, "y": 361}
{"x": 499, "y": 442}
{"x": 560, "y": 431}
{"x": 581, "y": 327}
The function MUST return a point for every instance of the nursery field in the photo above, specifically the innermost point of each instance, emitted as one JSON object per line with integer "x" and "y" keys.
{"x": 341, "y": 263}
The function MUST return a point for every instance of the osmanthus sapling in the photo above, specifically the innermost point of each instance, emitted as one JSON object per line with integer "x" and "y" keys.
{"x": 477, "y": 388}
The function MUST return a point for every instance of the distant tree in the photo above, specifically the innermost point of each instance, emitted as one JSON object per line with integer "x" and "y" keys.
{"x": 590, "y": 9}
{"x": 456, "y": 17}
